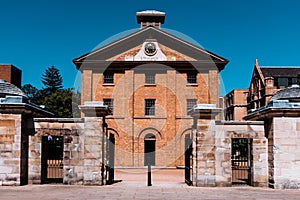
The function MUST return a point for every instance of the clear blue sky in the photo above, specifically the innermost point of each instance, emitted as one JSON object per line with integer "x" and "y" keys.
{"x": 36, "y": 34}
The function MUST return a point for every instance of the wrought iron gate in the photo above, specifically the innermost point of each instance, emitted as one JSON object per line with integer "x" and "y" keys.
{"x": 187, "y": 158}
{"x": 241, "y": 160}
{"x": 52, "y": 159}
{"x": 110, "y": 159}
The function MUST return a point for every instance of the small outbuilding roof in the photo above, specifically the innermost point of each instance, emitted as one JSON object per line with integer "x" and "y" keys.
{"x": 7, "y": 88}
{"x": 291, "y": 93}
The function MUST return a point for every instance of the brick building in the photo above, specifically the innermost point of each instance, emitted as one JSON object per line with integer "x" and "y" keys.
{"x": 267, "y": 81}
{"x": 161, "y": 97}
{"x": 150, "y": 79}
{"x": 11, "y": 74}
{"x": 235, "y": 104}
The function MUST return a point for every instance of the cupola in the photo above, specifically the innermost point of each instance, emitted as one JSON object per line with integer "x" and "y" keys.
{"x": 150, "y": 18}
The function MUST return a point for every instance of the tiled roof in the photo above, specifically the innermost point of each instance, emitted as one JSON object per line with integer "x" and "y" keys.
{"x": 280, "y": 71}
{"x": 290, "y": 93}
{"x": 10, "y": 89}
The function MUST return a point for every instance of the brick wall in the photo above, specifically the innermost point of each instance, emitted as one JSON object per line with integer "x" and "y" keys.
{"x": 170, "y": 122}
{"x": 11, "y": 74}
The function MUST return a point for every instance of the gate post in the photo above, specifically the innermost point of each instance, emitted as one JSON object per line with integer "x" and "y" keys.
{"x": 203, "y": 149}
{"x": 94, "y": 169}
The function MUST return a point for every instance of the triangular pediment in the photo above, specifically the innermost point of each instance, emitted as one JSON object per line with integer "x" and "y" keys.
{"x": 130, "y": 47}
{"x": 170, "y": 54}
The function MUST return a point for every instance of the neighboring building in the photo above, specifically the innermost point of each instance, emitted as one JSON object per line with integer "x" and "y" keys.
{"x": 266, "y": 81}
{"x": 150, "y": 79}
{"x": 235, "y": 104}
{"x": 16, "y": 124}
{"x": 282, "y": 126}
{"x": 11, "y": 74}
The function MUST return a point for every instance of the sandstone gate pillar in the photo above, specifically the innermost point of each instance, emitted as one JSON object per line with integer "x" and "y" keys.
{"x": 204, "y": 173}
{"x": 94, "y": 134}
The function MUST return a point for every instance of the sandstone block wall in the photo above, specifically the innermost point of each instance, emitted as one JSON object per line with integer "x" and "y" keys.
{"x": 212, "y": 152}
{"x": 259, "y": 163}
{"x": 284, "y": 156}
{"x": 10, "y": 149}
{"x": 73, "y": 159}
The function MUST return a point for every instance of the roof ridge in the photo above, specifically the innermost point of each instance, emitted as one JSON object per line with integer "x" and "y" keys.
{"x": 278, "y": 66}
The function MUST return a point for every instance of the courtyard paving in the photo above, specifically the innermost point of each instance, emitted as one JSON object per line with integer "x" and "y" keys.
{"x": 134, "y": 186}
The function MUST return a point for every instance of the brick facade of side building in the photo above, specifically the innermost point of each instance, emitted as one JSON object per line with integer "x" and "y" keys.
{"x": 235, "y": 104}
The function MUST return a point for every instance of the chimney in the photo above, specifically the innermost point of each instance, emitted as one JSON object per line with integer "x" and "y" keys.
{"x": 150, "y": 18}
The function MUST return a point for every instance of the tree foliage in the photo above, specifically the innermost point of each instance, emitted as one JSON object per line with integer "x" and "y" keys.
{"x": 52, "y": 80}
{"x": 34, "y": 95}
{"x": 62, "y": 102}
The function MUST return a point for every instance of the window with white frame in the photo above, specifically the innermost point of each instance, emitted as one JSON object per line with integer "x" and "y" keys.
{"x": 190, "y": 103}
{"x": 149, "y": 107}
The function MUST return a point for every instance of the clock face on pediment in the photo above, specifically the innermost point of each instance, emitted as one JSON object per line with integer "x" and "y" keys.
{"x": 150, "y": 48}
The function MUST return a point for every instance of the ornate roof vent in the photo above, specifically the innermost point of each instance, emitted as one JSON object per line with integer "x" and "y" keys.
{"x": 150, "y": 18}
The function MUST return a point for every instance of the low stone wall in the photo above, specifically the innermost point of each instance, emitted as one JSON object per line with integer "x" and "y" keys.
{"x": 212, "y": 148}
{"x": 259, "y": 164}
{"x": 73, "y": 159}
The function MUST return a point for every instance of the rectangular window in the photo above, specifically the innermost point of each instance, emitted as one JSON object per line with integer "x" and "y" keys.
{"x": 293, "y": 81}
{"x": 109, "y": 103}
{"x": 191, "y": 78}
{"x": 149, "y": 78}
{"x": 108, "y": 78}
{"x": 190, "y": 103}
{"x": 282, "y": 82}
{"x": 149, "y": 107}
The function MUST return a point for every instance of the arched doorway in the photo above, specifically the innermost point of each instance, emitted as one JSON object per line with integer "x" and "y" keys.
{"x": 149, "y": 149}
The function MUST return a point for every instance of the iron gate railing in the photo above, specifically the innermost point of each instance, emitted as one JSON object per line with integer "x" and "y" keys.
{"x": 55, "y": 169}
{"x": 241, "y": 161}
{"x": 240, "y": 171}
{"x": 52, "y": 159}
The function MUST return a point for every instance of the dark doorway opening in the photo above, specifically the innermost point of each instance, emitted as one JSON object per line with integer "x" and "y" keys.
{"x": 52, "y": 159}
{"x": 110, "y": 159}
{"x": 149, "y": 150}
{"x": 187, "y": 159}
{"x": 241, "y": 160}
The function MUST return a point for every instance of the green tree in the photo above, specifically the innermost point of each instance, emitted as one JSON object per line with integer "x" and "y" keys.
{"x": 32, "y": 93}
{"x": 52, "y": 80}
{"x": 63, "y": 103}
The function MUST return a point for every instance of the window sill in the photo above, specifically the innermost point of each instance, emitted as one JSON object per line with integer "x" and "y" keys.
{"x": 192, "y": 84}
{"x": 108, "y": 84}
{"x": 149, "y": 84}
